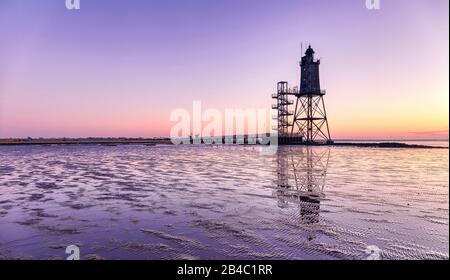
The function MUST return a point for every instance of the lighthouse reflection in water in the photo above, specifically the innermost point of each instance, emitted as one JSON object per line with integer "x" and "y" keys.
{"x": 301, "y": 179}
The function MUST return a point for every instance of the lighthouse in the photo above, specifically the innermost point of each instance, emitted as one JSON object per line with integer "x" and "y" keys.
{"x": 308, "y": 121}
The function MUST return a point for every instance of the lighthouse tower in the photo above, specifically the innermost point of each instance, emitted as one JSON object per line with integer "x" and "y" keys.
{"x": 310, "y": 118}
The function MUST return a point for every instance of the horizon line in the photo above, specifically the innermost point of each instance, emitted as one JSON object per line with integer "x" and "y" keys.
{"x": 168, "y": 137}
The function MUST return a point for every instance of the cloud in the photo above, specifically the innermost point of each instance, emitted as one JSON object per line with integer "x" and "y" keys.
{"x": 432, "y": 132}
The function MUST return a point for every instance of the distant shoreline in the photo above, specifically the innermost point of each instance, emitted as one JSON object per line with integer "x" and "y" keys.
{"x": 84, "y": 141}
{"x": 167, "y": 141}
{"x": 388, "y": 145}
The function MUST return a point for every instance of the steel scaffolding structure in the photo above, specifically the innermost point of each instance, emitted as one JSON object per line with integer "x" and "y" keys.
{"x": 310, "y": 118}
{"x": 282, "y": 106}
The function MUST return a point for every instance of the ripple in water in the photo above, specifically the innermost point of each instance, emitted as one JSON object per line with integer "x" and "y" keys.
{"x": 216, "y": 202}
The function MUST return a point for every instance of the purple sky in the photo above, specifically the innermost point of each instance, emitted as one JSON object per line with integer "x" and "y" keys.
{"x": 118, "y": 68}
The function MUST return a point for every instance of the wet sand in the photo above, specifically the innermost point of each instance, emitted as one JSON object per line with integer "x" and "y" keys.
{"x": 223, "y": 202}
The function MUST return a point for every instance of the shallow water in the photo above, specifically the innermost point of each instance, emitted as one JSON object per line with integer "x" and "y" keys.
{"x": 224, "y": 202}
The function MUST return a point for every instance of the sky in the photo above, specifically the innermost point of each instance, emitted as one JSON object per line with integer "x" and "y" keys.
{"x": 119, "y": 68}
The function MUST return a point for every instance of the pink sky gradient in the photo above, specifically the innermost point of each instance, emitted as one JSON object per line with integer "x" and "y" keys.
{"x": 120, "y": 69}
